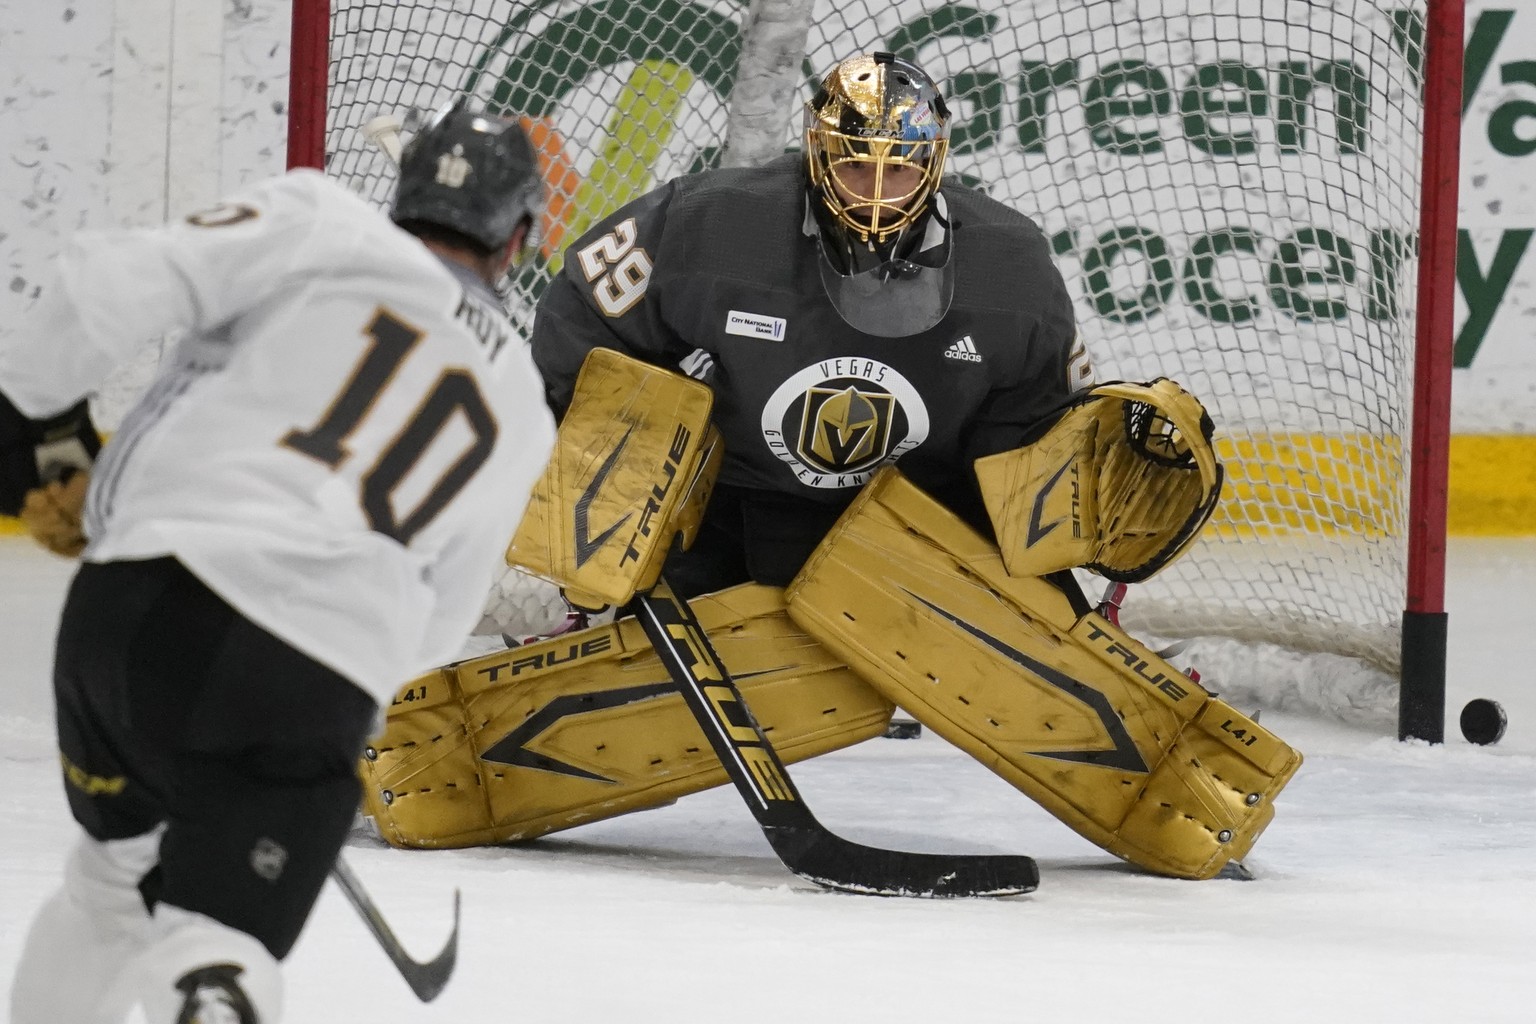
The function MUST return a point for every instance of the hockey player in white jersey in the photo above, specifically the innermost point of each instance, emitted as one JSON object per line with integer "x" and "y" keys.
{"x": 299, "y": 515}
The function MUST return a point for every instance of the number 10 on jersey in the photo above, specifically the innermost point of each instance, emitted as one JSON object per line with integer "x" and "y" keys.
{"x": 391, "y": 340}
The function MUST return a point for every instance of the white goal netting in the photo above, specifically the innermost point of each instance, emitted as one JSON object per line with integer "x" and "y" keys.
{"x": 1231, "y": 188}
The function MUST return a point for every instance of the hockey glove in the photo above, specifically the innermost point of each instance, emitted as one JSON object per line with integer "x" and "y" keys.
{"x": 1121, "y": 484}
{"x": 52, "y": 514}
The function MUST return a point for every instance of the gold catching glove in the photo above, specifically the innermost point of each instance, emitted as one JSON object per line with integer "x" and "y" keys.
{"x": 1121, "y": 484}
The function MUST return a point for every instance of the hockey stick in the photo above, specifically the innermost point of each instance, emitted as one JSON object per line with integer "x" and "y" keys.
{"x": 384, "y": 132}
{"x": 426, "y": 979}
{"x": 801, "y": 842}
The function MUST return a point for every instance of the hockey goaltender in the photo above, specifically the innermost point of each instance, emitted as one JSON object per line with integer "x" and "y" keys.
{"x": 914, "y": 458}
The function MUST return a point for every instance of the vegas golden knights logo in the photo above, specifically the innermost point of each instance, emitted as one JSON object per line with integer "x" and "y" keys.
{"x": 836, "y": 421}
{"x": 843, "y": 431}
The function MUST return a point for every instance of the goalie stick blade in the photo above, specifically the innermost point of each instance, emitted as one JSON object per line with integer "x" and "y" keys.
{"x": 805, "y": 846}
{"x": 425, "y": 979}
{"x": 835, "y": 863}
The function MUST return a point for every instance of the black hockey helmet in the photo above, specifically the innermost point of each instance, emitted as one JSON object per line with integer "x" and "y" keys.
{"x": 470, "y": 172}
{"x": 876, "y": 139}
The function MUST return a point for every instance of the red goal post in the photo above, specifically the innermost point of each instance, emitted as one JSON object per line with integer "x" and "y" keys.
{"x": 1256, "y": 197}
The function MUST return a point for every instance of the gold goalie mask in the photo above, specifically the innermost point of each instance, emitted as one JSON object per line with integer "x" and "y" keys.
{"x": 876, "y": 137}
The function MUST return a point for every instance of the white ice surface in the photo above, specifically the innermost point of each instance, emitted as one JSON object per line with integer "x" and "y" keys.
{"x": 1397, "y": 883}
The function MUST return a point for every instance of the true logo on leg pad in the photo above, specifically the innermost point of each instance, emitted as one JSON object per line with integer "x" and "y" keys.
{"x": 214, "y": 996}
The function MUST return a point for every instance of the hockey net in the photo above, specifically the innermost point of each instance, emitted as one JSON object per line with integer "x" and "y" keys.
{"x": 1231, "y": 188}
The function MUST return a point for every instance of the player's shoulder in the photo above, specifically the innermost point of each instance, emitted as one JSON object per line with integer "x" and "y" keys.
{"x": 993, "y": 232}
{"x": 346, "y": 220}
{"x": 773, "y": 183}
{"x": 702, "y": 202}
{"x": 1003, "y": 258}
{"x": 307, "y": 192}
{"x": 713, "y": 212}
{"x": 326, "y": 196}
{"x": 299, "y": 187}
{"x": 777, "y": 177}
{"x": 974, "y": 209}
{"x": 303, "y": 200}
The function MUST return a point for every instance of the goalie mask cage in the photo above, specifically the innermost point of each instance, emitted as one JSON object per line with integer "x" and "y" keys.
{"x": 1254, "y": 197}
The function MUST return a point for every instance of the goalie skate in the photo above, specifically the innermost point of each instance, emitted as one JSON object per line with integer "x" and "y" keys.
{"x": 1109, "y": 606}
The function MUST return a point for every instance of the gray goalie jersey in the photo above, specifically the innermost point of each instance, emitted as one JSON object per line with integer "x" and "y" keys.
{"x": 716, "y": 275}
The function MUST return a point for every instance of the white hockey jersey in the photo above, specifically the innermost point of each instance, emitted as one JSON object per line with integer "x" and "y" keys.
{"x": 344, "y": 440}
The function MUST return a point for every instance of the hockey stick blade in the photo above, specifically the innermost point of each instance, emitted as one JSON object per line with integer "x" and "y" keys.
{"x": 426, "y": 979}
{"x": 823, "y": 857}
{"x": 805, "y": 846}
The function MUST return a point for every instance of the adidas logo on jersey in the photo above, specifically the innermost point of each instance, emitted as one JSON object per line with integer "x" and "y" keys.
{"x": 964, "y": 349}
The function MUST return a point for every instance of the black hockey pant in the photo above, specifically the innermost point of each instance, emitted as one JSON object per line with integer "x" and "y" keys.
{"x": 174, "y": 709}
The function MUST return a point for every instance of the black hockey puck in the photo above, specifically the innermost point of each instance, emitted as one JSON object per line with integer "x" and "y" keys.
{"x": 1483, "y": 721}
{"x": 902, "y": 729}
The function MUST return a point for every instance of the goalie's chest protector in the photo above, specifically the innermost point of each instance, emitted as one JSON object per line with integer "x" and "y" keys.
{"x": 808, "y": 403}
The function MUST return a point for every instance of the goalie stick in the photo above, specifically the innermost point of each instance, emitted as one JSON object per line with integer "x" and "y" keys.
{"x": 805, "y": 846}
{"x": 426, "y": 979}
